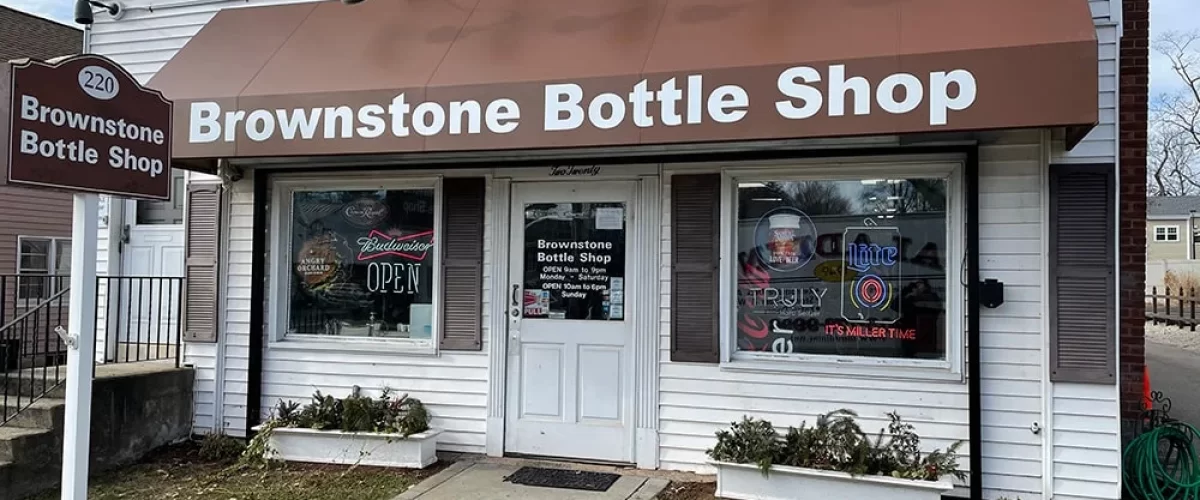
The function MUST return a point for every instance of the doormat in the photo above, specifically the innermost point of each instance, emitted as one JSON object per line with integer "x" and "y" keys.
{"x": 560, "y": 478}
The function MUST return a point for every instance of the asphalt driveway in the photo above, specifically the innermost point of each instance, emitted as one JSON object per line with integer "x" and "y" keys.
{"x": 1176, "y": 372}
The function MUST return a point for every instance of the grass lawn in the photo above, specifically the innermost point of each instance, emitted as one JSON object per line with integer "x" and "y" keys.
{"x": 178, "y": 472}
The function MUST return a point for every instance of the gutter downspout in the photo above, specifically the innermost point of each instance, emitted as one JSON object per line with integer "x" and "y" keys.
{"x": 180, "y": 3}
{"x": 974, "y": 363}
{"x": 258, "y": 265}
{"x": 1191, "y": 236}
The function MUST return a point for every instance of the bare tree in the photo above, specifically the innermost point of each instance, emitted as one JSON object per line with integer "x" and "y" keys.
{"x": 813, "y": 197}
{"x": 820, "y": 198}
{"x": 1171, "y": 161}
{"x": 1174, "y": 144}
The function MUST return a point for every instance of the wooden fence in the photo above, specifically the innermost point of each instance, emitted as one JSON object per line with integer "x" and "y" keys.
{"x": 1175, "y": 306}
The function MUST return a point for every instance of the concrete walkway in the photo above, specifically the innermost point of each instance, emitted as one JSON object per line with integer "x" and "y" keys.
{"x": 484, "y": 480}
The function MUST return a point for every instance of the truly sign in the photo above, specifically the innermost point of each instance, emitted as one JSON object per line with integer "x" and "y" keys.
{"x": 84, "y": 124}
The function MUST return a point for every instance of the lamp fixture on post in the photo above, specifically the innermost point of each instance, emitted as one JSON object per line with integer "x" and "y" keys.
{"x": 84, "y": 15}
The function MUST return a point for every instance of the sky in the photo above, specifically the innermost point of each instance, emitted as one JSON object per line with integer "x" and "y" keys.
{"x": 1178, "y": 15}
{"x": 58, "y": 10}
{"x": 1165, "y": 15}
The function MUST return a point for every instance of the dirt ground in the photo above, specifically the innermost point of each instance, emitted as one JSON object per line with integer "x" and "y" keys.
{"x": 178, "y": 473}
{"x": 688, "y": 491}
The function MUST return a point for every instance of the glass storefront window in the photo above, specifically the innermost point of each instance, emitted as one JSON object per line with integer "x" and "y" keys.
{"x": 362, "y": 263}
{"x": 842, "y": 267}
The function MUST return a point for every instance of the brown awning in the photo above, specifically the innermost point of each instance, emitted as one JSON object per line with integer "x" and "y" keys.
{"x": 390, "y": 76}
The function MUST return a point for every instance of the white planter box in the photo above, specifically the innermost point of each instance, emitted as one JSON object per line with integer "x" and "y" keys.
{"x": 746, "y": 482}
{"x": 366, "y": 448}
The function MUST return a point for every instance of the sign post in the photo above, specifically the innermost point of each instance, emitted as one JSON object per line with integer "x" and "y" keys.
{"x": 82, "y": 124}
{"x": 81, "y": 356}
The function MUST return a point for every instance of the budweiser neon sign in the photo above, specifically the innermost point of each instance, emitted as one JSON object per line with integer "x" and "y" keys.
{"x": 414, "y": 246}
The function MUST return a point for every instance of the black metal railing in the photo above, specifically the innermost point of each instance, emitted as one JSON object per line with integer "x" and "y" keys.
{"x": 32, "y": 354}
{"x": 137, "y": 319}
{"x": 140, "y": 318}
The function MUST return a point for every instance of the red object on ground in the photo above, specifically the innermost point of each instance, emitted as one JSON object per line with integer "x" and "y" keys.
{"x": 1147, "y": 401}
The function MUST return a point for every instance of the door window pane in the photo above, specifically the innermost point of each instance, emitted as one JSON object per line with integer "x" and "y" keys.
{"x": 575, "y": 261}
{"x": 164, "y": 212}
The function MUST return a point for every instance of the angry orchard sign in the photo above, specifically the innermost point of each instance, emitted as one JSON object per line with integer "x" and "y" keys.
{"x": 84, "y": 124}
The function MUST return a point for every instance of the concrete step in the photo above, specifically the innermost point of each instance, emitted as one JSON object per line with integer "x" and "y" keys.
{"x": 46, "y": 413}
{"x": 25, "y": 445}
{"x": 35, "y": 383}
{"x": 22, "y": 480}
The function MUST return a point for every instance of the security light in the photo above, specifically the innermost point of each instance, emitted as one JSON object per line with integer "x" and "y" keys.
{"x": 83, "y": 10}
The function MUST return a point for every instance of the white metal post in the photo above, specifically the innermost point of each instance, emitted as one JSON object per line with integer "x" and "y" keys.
{"x": 81, "y": 351}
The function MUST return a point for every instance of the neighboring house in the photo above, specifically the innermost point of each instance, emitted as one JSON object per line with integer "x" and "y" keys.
{"x": 35, "y": 224}
{"x": 312, "y": 262}
{"x": 1172, "y": 223}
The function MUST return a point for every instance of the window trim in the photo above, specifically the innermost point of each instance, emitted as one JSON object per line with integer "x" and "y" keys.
{"x": 949, "y": 369}
{"x": 1165, "y": 232}
{"x": 279, "y": 268}
{"x": 51, "y": 259}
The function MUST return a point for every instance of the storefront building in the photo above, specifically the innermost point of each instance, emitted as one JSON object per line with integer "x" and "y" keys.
{"x": 603, "y": 230}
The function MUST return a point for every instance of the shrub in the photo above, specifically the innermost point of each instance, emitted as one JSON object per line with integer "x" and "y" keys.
{"x": 402, "y": 415}
{"x": 837, "y": 443}
{"x": 218, "y": 447}
{"x": 1181, "y": 281}
{"x": 751, "y": 441}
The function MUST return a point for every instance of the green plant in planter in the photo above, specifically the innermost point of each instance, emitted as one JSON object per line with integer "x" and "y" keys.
{"x": 386, "y": 414}
{"x": 406, "y": 416}
{"x": 906, "y": 459}
{"x": 751, "y": 441}
{"x": 324, "y": 412}
{"x": 360, "y": 414}
{"x": 837, "y": 443}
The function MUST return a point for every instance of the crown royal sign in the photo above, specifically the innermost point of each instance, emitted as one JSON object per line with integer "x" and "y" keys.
{"x": 83, "y": 123}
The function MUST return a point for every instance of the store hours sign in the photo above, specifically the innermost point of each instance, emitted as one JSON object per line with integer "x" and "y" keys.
{"x": 84, "y": 124}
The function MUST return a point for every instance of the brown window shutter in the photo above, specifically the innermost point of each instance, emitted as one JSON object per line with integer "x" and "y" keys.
{"x": 462, "y": 263}
{"x": 695, "y": 255}
{"x": 1082, "y": 280}
{"x": 202, "y": 239}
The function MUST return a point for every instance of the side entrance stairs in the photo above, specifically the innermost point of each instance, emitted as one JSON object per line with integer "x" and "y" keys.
{"x": 31, "y": 442}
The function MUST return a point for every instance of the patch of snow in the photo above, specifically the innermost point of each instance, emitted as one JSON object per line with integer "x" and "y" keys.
{"x": 1183, "y": 338}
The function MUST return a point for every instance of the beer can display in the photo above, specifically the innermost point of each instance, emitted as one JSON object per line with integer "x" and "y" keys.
{"x": 871, "y": 276}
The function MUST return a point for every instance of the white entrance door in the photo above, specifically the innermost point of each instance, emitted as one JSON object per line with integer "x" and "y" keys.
{"x": 570, "y": 366}
{"x": 152, "y": 247}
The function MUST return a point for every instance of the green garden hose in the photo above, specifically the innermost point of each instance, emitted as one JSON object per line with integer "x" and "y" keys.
{"x": 1162, "y": 464}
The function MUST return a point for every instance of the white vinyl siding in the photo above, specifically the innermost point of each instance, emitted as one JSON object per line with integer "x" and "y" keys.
{"x": 1087, "y": 458}
{"x": 1100, "y": 145}
{"x": 1084, "y": 422}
